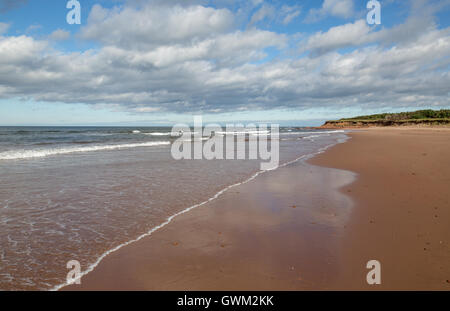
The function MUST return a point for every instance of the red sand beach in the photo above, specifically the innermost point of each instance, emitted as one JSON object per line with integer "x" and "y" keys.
{"x": 382, "y": 195}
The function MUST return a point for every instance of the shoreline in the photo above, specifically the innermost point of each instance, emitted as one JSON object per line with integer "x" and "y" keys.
{"x": 264, "y": 236}
{"x": 172, "y": 219}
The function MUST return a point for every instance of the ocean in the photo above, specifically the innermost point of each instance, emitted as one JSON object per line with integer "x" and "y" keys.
{"x": 78, "y": 193}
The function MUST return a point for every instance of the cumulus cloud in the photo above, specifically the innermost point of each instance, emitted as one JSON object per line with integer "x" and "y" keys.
{"x": 359, "y": 33}
{"x": 266, "y": 11}
{"x": 204, "y": 64}
{"x": 59, "y": 35}
{"x": 336, "y": 8}
{"x": 290, "y": 13}
{"x": 347, "y": 35}
{"x": 283, "y": 14}
{"x": 154, "y": 25}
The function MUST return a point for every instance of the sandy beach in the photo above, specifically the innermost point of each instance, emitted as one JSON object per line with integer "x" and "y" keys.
{"x": 311, "y": 225}
{"x": 402, "y": 207}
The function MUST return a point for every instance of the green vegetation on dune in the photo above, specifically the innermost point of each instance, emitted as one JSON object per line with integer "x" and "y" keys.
{"x": 415, "y": 115}
{"x": 420, "y": 117}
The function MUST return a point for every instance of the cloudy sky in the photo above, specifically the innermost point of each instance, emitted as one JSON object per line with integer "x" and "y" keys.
{"x": 156, "y": 62}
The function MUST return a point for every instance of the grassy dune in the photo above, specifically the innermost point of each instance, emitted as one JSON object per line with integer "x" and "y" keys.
{"x": 420, "y": 117}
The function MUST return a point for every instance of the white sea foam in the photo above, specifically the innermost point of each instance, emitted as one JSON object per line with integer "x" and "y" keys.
{"x": 313, "y": 136}
{"x": 196, "y": 139}
{"x": 241, "y": 133}
{"x": 160, "y": 134}
{"x": 316, "y": 132}
{"x": 39, "y": 153}
{"x": 170, "y": 218}
{"x": 169, "y": 133}
{"x": 165, "y": 133}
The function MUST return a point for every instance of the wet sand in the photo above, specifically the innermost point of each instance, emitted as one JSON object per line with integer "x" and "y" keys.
{"x": 278, "y": 231}
{"x": 308, "y": 227}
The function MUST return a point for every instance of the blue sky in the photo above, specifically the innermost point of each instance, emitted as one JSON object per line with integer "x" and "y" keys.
{"x": 161, "y": 62}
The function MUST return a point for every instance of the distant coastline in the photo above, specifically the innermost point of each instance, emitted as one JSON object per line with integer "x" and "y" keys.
{"x": 415, "y": 118}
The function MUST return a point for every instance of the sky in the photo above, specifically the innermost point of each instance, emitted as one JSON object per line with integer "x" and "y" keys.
{"x": 160, "y": 62}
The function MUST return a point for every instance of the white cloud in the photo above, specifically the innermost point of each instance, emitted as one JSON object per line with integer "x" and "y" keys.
{"x": 143, "y": 67}
{"x": 283, "y": 14}
{"x": 33, "y": 27}
{"x": 337, "y": 37}
{"x": 265, "y": 11}
{"x": 339, "y": 8}
{"x": 155, "y": 25}
{"x": 290, "y": 13}
{"x": 59, "y": 35}
{"x": 19, "y": 50}
{"x": 336, "y": 8}
{"x": 359, "y": 33}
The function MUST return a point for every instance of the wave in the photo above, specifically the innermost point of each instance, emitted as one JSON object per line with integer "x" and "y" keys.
{"x": 164, "y": 134}
{"x": 196, "y": 139}
{"x": 309, "y": 137}
{"x": 39, "y": 153}
{"x": 316, "y": 132}
{"x": 242, "y": 132}
{"x": 96, "y": 134}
